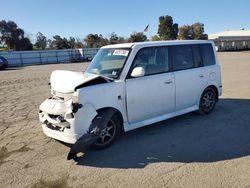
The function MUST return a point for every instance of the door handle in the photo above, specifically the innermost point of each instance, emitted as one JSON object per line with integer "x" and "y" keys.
{"x": 168, "y": 82}
{"x": 201, "y": 75}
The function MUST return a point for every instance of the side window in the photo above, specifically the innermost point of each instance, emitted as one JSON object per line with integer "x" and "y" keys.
{"x": 207, "y": 52}
{"x": 182, "y": 56}
{"x": 154, "y": 60}
{"x": 197, "y": 56}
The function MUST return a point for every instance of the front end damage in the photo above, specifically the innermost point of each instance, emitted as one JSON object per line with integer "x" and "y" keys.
{"x": 64, "y": 118}
{"x": 61, "y": 121}
{"x": 87, "y": 140}
{"x": 58, "y": 118}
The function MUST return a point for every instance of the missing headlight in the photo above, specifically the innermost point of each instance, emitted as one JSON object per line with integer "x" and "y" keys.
{"x": 76, "y": 106}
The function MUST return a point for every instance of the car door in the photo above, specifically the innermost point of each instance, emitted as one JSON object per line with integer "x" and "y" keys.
{"x": 190, "y": 77}
{"x": 153, "y": 94}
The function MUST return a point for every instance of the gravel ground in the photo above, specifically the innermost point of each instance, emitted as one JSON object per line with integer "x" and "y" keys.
{"x": 187, "y": 151}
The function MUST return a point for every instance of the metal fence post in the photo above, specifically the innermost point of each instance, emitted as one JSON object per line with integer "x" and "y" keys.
{"x": 40, "y": 55}
{"x": 21, "y": 59}
{"x": 70, "y": 55}
{"x": 56, "y": 57}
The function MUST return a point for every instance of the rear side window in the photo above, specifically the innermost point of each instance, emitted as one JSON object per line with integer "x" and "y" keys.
{"x": 153, "y": 59}
{"x": 207, "y": 53}
{"x": 182, "y": 57}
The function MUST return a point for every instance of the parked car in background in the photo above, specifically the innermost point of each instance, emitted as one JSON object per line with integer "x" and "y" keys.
{"x": 89, "y": 58}
{"x": 3, "y": 63}
{"x": 127, "y": 86}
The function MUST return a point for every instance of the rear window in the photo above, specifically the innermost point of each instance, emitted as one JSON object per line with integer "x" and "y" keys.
{"x": 207, "y": 53}
{"x": 182, "y": 57}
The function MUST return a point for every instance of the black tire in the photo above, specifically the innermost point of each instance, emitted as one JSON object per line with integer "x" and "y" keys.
{"x": 207, "y": 101}
{"x": 113, "y": 129}
{"x": 4, "y": 66}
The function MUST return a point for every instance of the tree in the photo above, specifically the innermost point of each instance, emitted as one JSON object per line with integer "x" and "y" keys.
{"x": 13, "y": 36}
{"x": 195, "y": 31}
{"x": 91, "y": 40}
{"x": 25, "y": 44}
{"x": 41, "y": 41}
{"x": 167, "y": 30}
{"x": 78, "y": 43}
{"x": 198, "y": 31}
{"x": 49, "y": 41}
{"x": 59, "y": 43}
{"x": 95, "y": 41}
{"x": 72, "y": 42}
{"x": 185, "y": 32}
{"x": 113, "y": 38}
{"x": 155, "y": 38}
{"x": 137, "y": 37}
{"x": 121, "y": 40}
{"x": 102, "y": 41}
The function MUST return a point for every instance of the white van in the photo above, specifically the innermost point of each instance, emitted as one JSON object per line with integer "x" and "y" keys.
{"x": 131, "y": 85}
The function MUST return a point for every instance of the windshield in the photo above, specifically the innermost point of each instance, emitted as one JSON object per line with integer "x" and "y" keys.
{"x": 109, "y": 62}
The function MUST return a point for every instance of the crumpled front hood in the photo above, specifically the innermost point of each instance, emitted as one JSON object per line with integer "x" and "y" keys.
{"x": 66, "y": 81}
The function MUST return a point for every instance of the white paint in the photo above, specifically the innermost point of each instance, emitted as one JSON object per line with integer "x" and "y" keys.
{"x": 148, "y": 96}
{"x": 141, "y": 101}
{"x": 66, "y": 81}
{"x": 138, "y": 72}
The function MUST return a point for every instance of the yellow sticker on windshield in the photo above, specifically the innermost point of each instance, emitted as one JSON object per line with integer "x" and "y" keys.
{"x": 121, "y": 52}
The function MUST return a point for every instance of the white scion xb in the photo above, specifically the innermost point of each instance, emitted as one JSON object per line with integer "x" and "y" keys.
{"x": 131, "y": 85}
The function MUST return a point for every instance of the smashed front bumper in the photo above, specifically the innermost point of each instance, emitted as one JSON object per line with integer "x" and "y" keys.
{"x": 61, "y": 121}
{"x": 57, "y": 119}
{"x": 56, "y": 112}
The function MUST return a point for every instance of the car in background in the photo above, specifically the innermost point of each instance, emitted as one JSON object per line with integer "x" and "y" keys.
{"x": 3, "y": 63}
{"x": 89, "y": 58}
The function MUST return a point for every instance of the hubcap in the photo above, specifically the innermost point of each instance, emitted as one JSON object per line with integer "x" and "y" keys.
{"x": 107, "y": 134}
{"x": 208, "y": 101}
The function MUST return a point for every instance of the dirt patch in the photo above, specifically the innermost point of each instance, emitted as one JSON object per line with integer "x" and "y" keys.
{"x": 5, "y": 154}
{"x": 60, "y": 183}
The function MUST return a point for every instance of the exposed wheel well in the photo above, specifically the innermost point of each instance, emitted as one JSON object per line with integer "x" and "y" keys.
{"x": 215, "y": 90}
{"x": 118, "y": 113}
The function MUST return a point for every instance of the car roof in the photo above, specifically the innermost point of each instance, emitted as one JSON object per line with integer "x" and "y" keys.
{"x": 156, "y": 43}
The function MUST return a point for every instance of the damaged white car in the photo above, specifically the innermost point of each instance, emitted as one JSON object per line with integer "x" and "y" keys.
{"x": 128, "y": 86}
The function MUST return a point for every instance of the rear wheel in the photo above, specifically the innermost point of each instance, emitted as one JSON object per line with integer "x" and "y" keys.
{"x": 4, "y": 66}
{"x": 109, "y": 133}
{"x": 207, "y": 101}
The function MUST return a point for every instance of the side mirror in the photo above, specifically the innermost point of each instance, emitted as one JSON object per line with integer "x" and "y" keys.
{"x": 138, "y": 72}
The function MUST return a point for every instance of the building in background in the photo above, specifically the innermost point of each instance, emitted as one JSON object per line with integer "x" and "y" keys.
{"x": 231, "y": 40}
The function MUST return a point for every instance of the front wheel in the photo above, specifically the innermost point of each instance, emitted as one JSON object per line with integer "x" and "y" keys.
{"x": 207, "y": 101}
{"x": 109, "y": 133}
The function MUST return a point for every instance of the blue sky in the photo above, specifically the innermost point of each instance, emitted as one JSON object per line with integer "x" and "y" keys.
{"x": 78, "y": 18}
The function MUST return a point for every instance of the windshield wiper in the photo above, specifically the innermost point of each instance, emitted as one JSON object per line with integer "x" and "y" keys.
{"x": 106, "y": 77}
{"x": 110, "y": 77}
